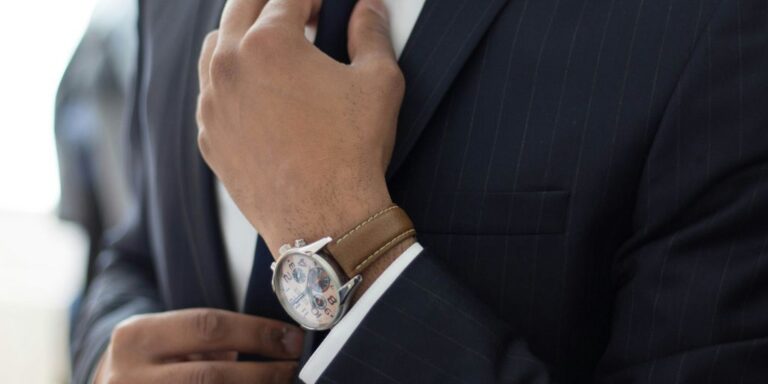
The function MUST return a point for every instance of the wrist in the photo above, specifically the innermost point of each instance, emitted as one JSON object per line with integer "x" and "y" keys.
{"x": 331, "y": 216}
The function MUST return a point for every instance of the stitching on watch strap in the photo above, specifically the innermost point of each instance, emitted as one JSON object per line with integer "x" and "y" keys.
{"x": 361, "y": 225}
{"x": 384, "y": 247}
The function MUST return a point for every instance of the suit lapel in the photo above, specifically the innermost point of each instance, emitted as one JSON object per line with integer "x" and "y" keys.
{"x": 444, "y": 37}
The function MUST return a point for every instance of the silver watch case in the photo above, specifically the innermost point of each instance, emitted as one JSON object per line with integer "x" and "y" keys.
{"x": 337, "y": 276}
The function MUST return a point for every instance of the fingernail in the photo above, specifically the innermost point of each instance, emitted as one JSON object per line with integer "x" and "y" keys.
{"x": 293, "y": 341}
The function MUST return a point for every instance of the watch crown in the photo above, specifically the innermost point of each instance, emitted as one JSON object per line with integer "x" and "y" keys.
{"x": 300, "y": 243}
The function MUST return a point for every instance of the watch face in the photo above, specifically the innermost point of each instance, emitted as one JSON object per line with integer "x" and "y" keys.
{"x": 307, "y": 291}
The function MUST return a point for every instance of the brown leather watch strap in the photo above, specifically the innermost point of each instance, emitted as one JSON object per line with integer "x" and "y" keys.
{"x": 362, "y": 245}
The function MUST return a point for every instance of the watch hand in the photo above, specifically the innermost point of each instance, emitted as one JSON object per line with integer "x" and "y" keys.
{"x": 308, "y": 291}
{"x": 298, "y": 298}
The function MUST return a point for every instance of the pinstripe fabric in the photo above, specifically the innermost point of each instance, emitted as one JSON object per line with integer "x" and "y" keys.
{"x": 585, "y": 130}
{"x": 589, "y": 178}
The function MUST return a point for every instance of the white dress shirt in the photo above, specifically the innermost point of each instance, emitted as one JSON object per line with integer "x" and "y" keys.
{"x": 240, "y": 237}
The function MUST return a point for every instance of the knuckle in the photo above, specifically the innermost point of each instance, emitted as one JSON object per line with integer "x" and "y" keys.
{"x": 199, "y": 118}
{"x": 211, "y": 37}
{"x": 126, "y": 331}
{"x": 204, "y": 108}
{"x": 129, "y": 336}
{"x": 208, "y": 325}
{"x": 120, "y": 335}
{"x": 389, "y": 74}
{"x": 261, "y": 41}
{"x": 223, "y": 65}
{"x": 203, "y": 144}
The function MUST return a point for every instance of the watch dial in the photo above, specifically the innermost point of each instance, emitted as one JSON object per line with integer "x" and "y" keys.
{"x": 307, "y": 290}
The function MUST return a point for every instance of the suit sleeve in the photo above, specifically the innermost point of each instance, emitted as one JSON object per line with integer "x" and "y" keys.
{"x": 690, "y": 291}
{"x": 124, "y": 283}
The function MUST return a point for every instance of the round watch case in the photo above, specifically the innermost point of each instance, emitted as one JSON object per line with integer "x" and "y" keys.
{"x": 343, "y": 285}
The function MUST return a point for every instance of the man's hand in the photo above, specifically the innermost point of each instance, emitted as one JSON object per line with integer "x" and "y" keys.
{"x": 199, "y": 346}
{"x": 301, "y": 141}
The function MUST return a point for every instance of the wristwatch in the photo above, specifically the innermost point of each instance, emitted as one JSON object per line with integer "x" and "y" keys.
{"x": 314, "y": 282}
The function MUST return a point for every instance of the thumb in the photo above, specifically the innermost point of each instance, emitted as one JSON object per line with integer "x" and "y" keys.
{"x": 369, "y": 33}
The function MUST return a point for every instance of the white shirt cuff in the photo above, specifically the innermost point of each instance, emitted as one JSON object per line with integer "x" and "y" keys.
{"x": 338, "y": 336}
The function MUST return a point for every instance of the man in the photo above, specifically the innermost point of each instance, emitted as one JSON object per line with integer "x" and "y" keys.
{"x": 586, "y": 179}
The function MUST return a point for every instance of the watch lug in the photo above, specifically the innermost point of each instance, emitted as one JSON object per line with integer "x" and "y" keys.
{"x": 272, "y": 281}
{"x": 301, "y": 246}
{"x": 316, "y": 246}
{"x": 346, "y": 290}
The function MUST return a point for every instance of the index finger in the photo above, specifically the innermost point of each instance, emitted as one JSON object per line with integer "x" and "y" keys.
{"x": 191, "y": 331}
{"x": 369, "y": 32}
{"x": 291, "y": 14}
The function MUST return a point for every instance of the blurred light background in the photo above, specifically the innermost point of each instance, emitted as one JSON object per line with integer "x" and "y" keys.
{"x": 42, "y": 259}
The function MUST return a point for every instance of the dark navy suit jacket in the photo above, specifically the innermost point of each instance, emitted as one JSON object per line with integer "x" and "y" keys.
{"x": 589, "y": 179}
